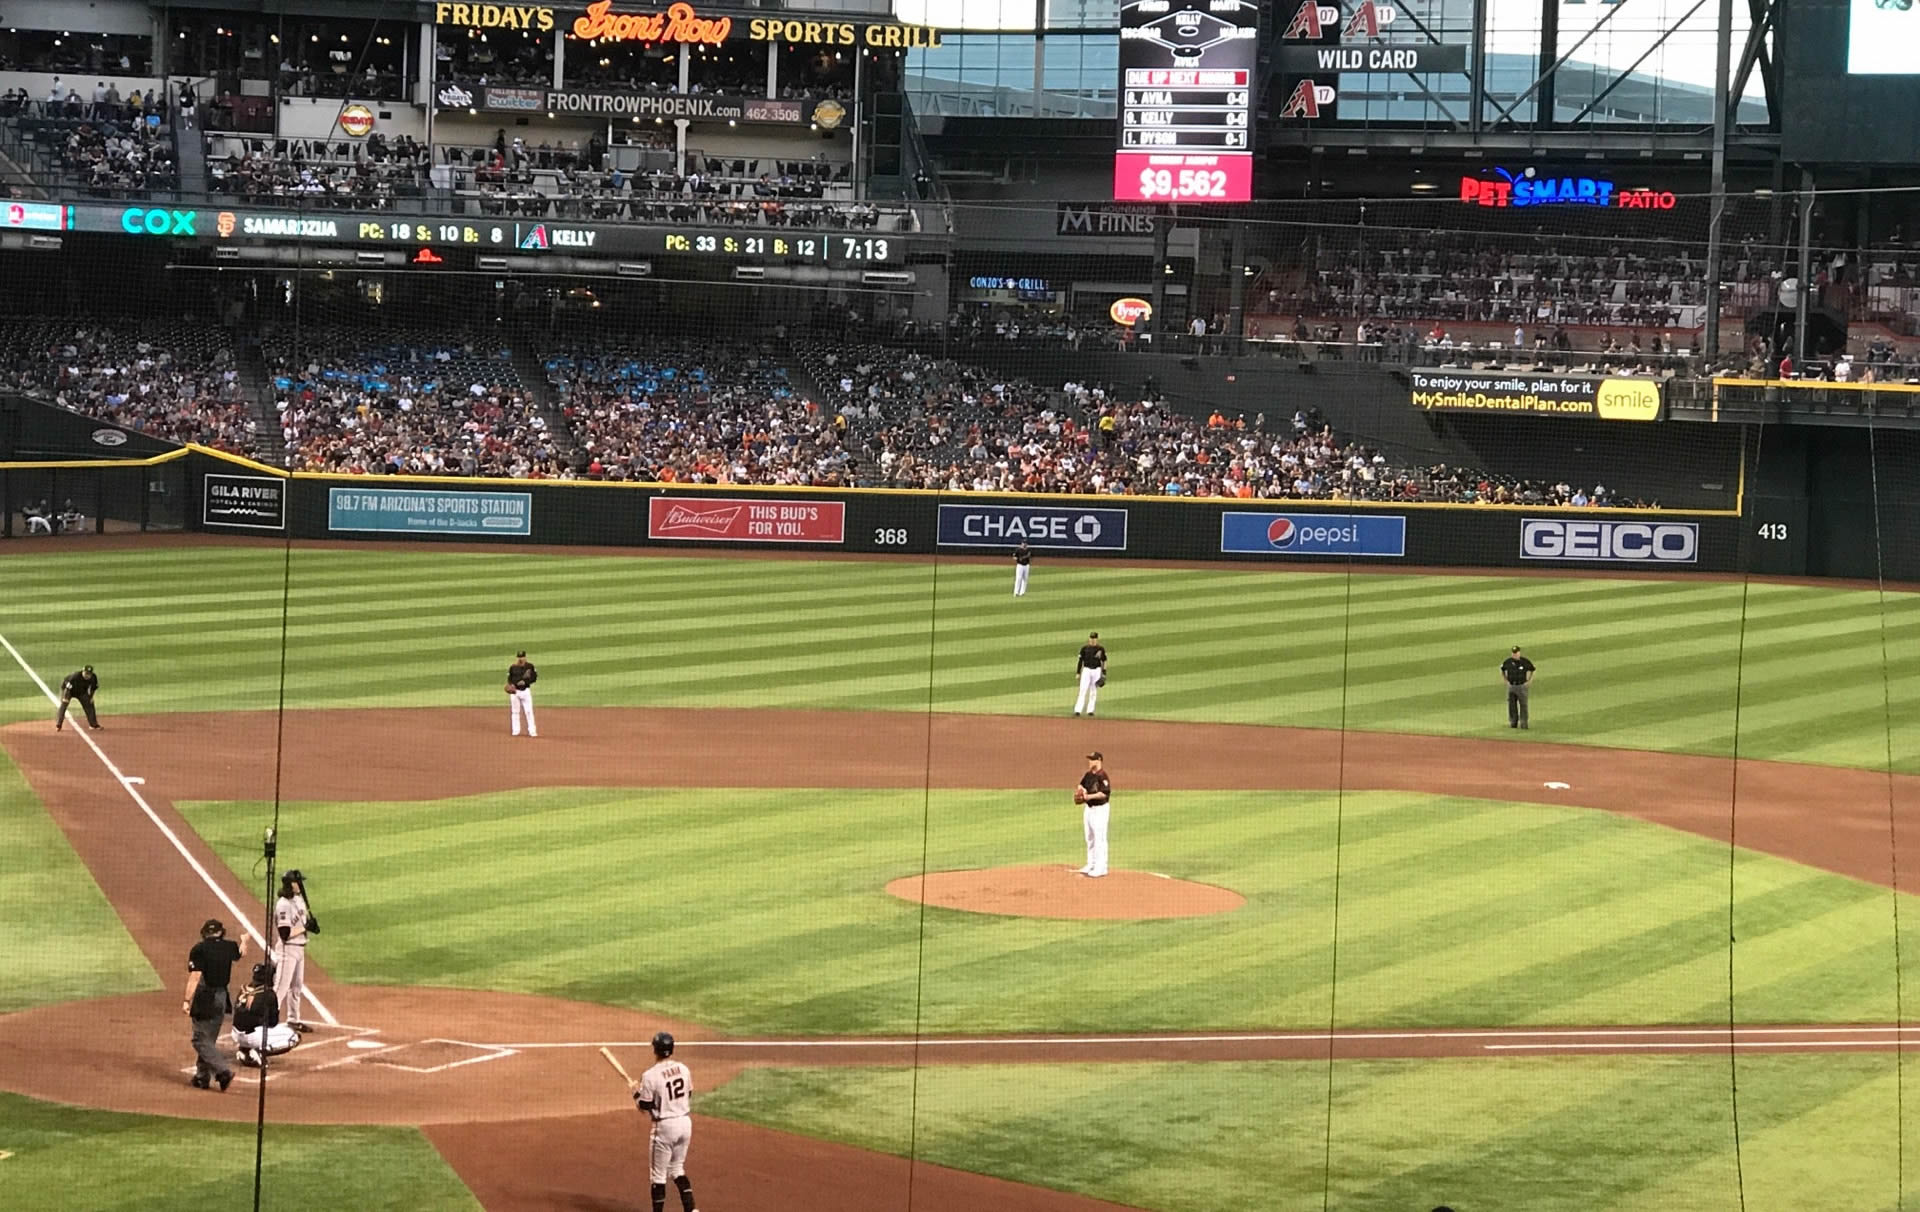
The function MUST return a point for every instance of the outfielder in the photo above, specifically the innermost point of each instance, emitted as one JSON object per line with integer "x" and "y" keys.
{"x": 293, "y": 921}
{"x": 663, "y": 1092}
{"x": 1092, "y": 672}
{"x": 1022, "y": 568}
{"x": 1093, "y": 794}
{"x": 521, "y": 675}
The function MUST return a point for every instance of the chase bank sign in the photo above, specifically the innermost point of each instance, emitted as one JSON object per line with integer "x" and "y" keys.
{"x": 1044, "y": 526}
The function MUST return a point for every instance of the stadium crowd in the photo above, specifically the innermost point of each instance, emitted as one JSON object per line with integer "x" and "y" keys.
{"x": 400, "y": 404}
{"x": 177, "y": 384}
{"x": 716, "y": 412}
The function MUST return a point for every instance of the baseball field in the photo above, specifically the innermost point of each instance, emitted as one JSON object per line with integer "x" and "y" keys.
{"x": 1364, "y": 947}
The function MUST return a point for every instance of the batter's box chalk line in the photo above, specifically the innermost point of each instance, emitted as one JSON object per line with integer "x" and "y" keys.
{"x": 385, "y": 1056}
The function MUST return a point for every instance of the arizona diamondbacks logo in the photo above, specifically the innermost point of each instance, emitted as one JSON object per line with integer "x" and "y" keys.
{"x": 1306, "y": 100}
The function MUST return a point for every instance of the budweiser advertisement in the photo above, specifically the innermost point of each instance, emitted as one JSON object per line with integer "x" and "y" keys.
{"x": 746, "y": 520}
{"x": 1186, "y": 100}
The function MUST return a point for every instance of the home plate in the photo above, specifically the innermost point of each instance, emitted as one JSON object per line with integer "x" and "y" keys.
{"x": 364, "y": 1043}
{"x": 1557, "y": 786}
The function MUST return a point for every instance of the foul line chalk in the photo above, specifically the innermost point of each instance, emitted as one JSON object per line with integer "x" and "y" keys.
{"x": 128, "y": 784}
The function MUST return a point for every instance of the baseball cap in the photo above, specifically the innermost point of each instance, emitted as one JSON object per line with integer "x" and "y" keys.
{"x": 1095, "y": 756}
{"x": 521, "y": 653}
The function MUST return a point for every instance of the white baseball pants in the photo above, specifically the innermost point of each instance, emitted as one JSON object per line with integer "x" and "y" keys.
{"x": 517, "y": 702}
{"x": 1020, "y": 572}
{"x": 1089, "y": 691}
{"x": 1093, "y": 818}
{"x": 290, "y": 979}
{"x": 270, "y": 1040}
{"x": 670, "y": 1140}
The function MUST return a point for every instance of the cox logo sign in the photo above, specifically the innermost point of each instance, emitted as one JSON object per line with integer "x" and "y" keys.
{"x": 1610, "y": 542}
{"x": 140, "y": 221}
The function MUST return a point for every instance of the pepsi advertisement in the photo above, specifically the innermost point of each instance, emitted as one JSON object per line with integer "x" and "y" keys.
{"x": 1313, "y": 534}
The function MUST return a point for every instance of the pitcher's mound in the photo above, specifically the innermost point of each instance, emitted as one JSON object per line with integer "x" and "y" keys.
{"x": 1060, "y": 892}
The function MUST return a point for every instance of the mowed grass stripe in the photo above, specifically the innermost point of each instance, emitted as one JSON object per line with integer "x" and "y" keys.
{"x": 764, "y": 911}
{"x": 1234, "y": 645}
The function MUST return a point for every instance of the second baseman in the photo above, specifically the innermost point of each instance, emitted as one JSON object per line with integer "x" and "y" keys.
{"x": 521, "y": 675}
{"x": 1092, "y": 673}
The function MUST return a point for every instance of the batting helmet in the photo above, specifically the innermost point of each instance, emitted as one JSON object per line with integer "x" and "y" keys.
{"x": 292, "y": 877}
{"x": 212, "y": 928}
{"x": 663, "y": 1044}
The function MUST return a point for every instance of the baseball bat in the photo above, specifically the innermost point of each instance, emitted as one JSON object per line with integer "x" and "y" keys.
{"x": 618, "y": 1068}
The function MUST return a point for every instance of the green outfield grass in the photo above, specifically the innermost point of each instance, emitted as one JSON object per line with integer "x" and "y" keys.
{"x": 1641, "y": 664}
{"x": 59, "y": 938}
{"x": 65, "y": 1158}
{"x": 764, "y": 911}
{"x": 1589, "y": 1134}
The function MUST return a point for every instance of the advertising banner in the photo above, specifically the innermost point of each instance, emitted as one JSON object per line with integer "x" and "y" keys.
{"x": 429, "y": 511}
{"x": 1313, "y": 534}
{"x": 251, "y": 501}
{"x": 1043, "y": 526}
{"x": 611, "y": 103}
{"x": 1500, "y": 391}
{"x": 1610, "y": 542}
{"x": 748, "y": 520}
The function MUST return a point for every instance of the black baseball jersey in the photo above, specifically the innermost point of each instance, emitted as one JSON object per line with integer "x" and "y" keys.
{"x": 80, "y": 684}
{"x": 1515, "y": 669}
{"x": 522, "y": 674}
{"x": 213, "y": 959}
{"x": 1097, "y": 785}
{"x": 1023, "y": 554}
{"x": 262, "y": 1009}
{"x": 1093, "y": 656}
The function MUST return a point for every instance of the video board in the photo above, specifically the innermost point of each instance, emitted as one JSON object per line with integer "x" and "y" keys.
{"x": 1186, "y": 101}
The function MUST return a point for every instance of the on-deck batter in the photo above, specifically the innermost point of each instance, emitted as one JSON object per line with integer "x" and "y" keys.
{"x": 521, "y": 675}
{"x": 1093, "y": 795}
{"x": 1092, "y": 672}
{"x": 665, "y": 1092}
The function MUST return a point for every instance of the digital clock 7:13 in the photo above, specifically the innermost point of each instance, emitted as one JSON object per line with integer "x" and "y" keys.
{"x": 818, "y": 249}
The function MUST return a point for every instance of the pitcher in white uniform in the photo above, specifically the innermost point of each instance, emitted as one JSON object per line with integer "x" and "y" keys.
{"x": 1093, "y": 795}
{"x": 665, "y": 1093}
{"x": 291, "y": 922}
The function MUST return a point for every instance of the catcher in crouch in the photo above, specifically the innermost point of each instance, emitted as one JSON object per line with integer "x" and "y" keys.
{"x": 257, "y": 1029}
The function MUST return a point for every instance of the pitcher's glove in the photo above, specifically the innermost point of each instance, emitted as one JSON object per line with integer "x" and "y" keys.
{"x": 509, "y": 687}
{"x": 1102, "y": 681}
{"x": 1079, "y": 795}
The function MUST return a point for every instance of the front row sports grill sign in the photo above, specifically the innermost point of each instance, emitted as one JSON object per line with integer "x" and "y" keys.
{"x": 602, "y": 22}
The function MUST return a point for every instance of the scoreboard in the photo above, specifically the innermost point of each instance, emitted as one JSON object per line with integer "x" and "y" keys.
{"x": 1186, "y": 100}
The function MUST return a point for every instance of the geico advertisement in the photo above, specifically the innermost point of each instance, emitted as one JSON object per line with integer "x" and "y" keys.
{"x": 1610, "y": 542}
{"x": 1536, "y": 395}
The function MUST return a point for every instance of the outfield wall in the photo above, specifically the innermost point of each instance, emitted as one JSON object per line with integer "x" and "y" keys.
{"x": 234, "y": 499}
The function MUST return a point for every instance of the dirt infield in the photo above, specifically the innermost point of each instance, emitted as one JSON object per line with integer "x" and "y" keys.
{"x": 1062, "y": 892}
{"x": 510, "y": 1087}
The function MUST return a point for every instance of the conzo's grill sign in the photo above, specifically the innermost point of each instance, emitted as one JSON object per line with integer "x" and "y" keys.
{"x": 682, "y": 22}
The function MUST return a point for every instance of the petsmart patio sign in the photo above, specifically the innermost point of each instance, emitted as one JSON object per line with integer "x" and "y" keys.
{"x": 1531, "y": 187}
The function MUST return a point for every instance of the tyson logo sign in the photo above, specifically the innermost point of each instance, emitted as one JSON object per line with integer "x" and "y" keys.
{"x": 1128, "y": 312}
